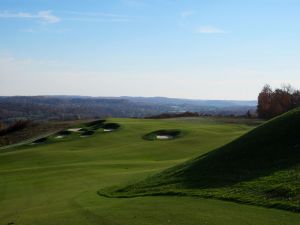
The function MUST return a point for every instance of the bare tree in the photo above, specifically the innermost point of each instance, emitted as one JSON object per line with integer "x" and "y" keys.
{"x": 273, "y": 103}
{"x": 264, "y": 102}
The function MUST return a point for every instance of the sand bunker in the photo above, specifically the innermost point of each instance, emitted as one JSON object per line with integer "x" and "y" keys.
{"x": 109, "y": 127}
{"x": 162, "y": 135}
{"x": 75, "y": 129}
{"x": 59, "y": 137}
{"x": 108, "y": 130}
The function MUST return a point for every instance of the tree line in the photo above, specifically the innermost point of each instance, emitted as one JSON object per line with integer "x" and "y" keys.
{"x": 173, "y": 115}
{"x": 272, "y": 103}
{"x": 16, "y": 126}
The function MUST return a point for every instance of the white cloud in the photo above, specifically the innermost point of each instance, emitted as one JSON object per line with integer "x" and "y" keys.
{"x": 187, "y": 13}
{"x": 48, "y": 17}
{"x": 97, "y": 19}
{"x": 42, "y": 16}
{"x": 94, "y": 16}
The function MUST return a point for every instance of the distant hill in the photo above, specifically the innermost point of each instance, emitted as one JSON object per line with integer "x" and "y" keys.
{"x": 178, "y": 101}
{"x": 261, "y": 167}
{"x": 82, "y": 107}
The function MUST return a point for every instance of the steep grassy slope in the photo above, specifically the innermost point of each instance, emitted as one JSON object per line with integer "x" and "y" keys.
{"x": 261, "y": 167}
{"x": 56, "y": 182}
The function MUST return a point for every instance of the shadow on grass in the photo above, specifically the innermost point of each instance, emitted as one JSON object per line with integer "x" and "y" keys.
{"x": 271, "y": 148}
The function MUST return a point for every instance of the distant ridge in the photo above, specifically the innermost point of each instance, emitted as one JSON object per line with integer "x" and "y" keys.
{"x": 63, "y": 107}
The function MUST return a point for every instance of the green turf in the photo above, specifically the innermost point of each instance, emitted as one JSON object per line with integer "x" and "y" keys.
{"x": 261, "y": 168}
{"x": 56, "y": 182}
{"x": 171, "y": 134}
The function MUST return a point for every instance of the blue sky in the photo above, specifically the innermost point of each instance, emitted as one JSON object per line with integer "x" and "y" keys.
{"x": 210, "y": 49}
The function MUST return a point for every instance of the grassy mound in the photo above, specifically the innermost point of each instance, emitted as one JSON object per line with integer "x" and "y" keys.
{"x": 261, "y": 167}
{"x": 169, "y": 134}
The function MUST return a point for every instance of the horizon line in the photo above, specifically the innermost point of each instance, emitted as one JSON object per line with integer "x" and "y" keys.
{"x": 127, "y": 96}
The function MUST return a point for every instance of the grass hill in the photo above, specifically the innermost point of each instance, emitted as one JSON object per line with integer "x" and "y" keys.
{"x": 55, "y": 180}
{"x": 261, "y": 167}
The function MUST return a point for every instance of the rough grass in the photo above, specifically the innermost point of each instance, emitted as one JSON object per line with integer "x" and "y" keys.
{"x": 262, "y": 167}
{"x": 40, "y": 140}
{"x": 56, "y": 183}
{"x": 31, "y": 131}
{"x": 64, "y": 132}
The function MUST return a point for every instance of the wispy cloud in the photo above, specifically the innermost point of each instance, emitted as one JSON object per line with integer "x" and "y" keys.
{"x": 187, "y": 13}
{"x": 210, "y": 30}
{"x": 93, "y": 14}
{"x": 42, "y": 16}
{"x": 47, "y": 17}
{"x": 44, "y": 29}
{"x": 94, "y": 17}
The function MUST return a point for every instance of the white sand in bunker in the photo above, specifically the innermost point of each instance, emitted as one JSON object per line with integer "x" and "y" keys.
{"x": 163, "y": 137}
{"x": 107, "y": 130}
{"x": 59, "y": 137}
{"x": 74, "y": 129}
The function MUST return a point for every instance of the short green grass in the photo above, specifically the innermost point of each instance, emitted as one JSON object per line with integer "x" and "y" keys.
{"x": 56, "y": 182}
{"x": 260, "y": 168}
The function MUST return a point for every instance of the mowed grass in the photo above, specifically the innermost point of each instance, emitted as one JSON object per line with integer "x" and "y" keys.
{"x": 262, "y": 168}
{"x": 56, "y": 183}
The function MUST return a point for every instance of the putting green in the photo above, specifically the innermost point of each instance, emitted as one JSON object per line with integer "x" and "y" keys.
{"x": 56, "y": 182}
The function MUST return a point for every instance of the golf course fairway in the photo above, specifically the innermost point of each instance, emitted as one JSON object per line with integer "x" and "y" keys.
{"x": 56, "y": 182}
